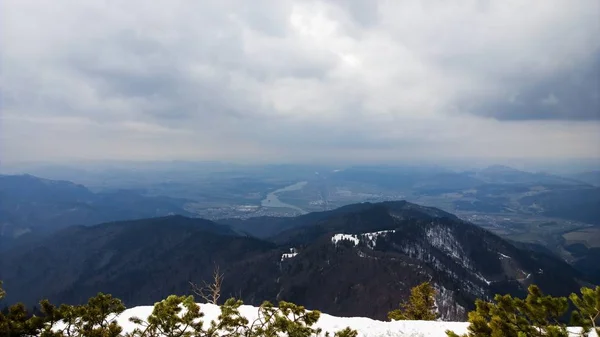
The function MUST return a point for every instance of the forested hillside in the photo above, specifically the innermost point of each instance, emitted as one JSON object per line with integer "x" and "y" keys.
{"x": 355, "y": 261}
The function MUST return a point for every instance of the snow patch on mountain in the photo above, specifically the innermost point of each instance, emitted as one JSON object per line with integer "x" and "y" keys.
{"x": 482, "y": 278}
{"x": 370, "y": 239}
{"x": 289, "y": 255}
{"x": 344, "y": 237}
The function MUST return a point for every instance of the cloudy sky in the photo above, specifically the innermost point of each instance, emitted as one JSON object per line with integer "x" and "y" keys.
{"x": 281, "y": 80}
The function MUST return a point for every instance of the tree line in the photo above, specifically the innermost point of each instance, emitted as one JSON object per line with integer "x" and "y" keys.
{"x": 175, "y": 316}
{"x": 180, "y": 316}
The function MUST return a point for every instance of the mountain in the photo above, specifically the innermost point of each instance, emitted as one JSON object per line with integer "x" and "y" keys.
{"x": 463, "y": 259}
{"x": 437, "y": 180}
{"x": 504, "y": 174}
{"x": 358, "y": 260}
{"x": 268, "y": 227}
{"x": 157, "y": 256}
{"x": 31, "y": 204}
{"x": 590, "y": 177}
{"x": 586, "y": 260}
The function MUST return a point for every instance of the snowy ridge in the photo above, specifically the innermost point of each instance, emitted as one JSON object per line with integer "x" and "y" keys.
{"x": 370, "y": 239}
{"x": 366, "y": 327}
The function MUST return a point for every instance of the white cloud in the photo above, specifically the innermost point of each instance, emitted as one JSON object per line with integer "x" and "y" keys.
{"x": 299, "y": 80}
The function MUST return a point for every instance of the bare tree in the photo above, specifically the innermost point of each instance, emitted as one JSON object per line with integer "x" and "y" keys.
{"x": 210, "y": 292}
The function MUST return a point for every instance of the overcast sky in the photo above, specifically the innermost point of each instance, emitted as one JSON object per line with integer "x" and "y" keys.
{"x": 282, "y": 81}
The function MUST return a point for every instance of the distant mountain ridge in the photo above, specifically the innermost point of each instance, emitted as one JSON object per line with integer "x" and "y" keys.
{"x": 590, "y": 177}
{"x": 31, "y": 204}
{"x": 506, "y": 174}
{"x": 358, "y": 260}
{"x": 445, "y": 179}
{"x": 495, "y": 189}
{"x": 268, "y": 227}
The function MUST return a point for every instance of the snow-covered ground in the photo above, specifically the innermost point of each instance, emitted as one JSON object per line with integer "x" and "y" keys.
{"x": 366, "y": 327}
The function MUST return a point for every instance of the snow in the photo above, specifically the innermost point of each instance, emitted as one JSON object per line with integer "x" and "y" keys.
{"x": 339, "y": 237}
{"x": 504, "y": 256}
{"x": 369, "y": 238}
{"x": 289, "y": 255}
{"x": 488, "y": 282}
{"x": 366, "y": 327}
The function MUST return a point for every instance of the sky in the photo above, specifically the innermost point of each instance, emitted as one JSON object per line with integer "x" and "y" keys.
{"x": 284, "y": 81}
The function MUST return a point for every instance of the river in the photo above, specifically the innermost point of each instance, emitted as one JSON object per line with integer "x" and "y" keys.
{"x": 273, "y": 201}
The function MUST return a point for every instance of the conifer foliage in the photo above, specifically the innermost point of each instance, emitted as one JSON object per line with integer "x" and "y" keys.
{"x": 176, "y": 316}
{"x": 420, "y": 305}
{"x": 16, "y": 321}
{"x": 536, "y": 315}
{"x": 180, "y": 316}
{"x": 93, "y": 319}
{"x": 587, "y": 314}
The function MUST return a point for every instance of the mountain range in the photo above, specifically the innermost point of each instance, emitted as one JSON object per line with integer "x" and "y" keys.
{"x": 35, "y": 205}
{"x": 358, "y": 260}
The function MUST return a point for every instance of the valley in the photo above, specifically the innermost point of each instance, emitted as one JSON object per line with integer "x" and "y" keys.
{"x": 272, "y": 227}
{"x": 533, "y": 208}
{"x": 272, "y": 199}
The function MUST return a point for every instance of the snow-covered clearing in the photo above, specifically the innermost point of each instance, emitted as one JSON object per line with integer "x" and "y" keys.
{"x": 366, "y": 327}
